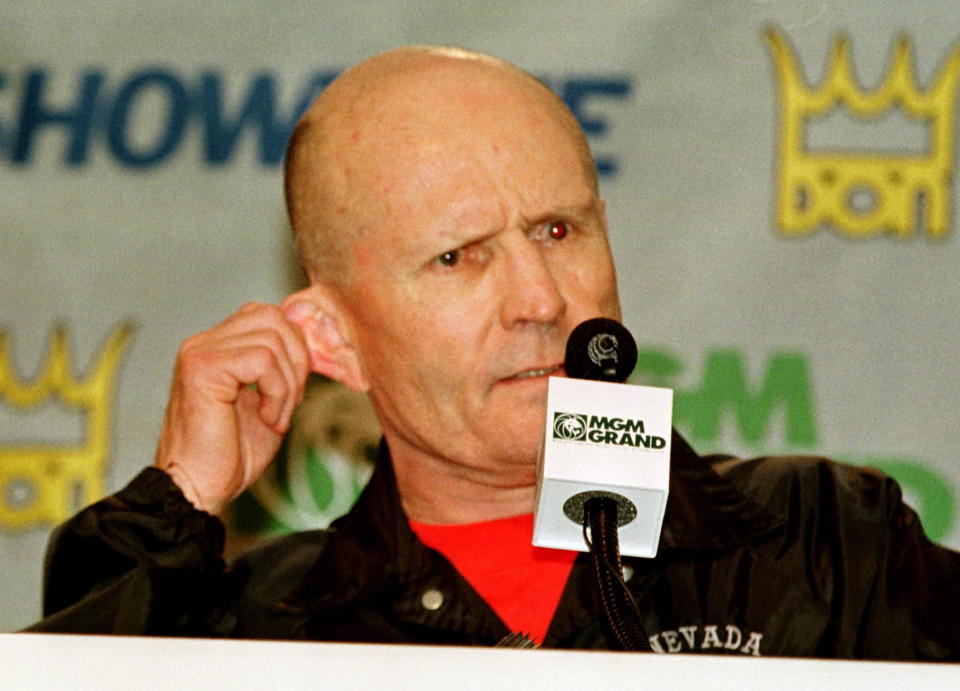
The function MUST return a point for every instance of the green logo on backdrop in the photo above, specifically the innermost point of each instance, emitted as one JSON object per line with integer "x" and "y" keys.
{"x": 725, "y": 395}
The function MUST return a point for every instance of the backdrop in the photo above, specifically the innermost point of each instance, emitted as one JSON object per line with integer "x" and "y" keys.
{"x": 781, "y": 196}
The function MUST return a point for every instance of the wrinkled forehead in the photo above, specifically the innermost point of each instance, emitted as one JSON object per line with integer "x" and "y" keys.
{"x": 478, "y": 159}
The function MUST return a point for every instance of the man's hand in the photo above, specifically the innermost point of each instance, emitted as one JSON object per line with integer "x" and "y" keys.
{"x": 234, "y": 391}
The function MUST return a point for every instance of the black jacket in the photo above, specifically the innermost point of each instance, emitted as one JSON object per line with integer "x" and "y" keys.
{"x": 773, "y": 556}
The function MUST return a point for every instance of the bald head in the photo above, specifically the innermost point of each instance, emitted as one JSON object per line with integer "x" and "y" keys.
{"x": 411, "y": 108}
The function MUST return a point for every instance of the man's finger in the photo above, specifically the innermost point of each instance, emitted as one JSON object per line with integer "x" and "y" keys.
{"x": 256, "y": 317}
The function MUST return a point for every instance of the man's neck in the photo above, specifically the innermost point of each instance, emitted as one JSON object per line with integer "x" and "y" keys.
{"x": 444, "y": 492}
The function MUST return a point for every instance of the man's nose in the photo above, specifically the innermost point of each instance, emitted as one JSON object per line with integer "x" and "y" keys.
{"x": 532, "y": 294}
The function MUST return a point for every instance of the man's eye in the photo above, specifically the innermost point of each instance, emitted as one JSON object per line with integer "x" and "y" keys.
{"x": 451, "y": 258}
{"x": 558, "y": 230}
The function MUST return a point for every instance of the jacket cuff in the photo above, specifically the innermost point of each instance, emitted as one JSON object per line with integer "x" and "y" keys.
{"x": 154, "y": 493}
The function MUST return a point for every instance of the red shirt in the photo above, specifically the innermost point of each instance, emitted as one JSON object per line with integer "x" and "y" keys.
{"x": 522, "y": 583}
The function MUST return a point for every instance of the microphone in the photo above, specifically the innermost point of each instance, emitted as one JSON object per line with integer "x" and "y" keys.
{"x": 603, "y": 439}
{"x": 600, "y": 350}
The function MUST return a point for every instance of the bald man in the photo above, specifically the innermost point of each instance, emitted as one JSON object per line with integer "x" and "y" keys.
{"x": 447, "y": 213}
{"x": 448, "y": 216}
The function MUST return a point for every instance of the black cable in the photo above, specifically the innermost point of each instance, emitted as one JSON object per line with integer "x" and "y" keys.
{"x": 623, "y": 615}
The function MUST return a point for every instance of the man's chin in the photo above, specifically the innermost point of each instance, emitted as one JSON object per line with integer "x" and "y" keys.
{"x": 516, "y": 421}
{"x": 520, "y": 445}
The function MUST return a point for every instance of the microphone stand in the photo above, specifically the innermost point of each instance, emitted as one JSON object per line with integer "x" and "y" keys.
{"x": 622, "y": 613}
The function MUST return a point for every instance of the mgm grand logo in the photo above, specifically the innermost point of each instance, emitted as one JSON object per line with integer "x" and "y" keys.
{"x": 600, "y": 429}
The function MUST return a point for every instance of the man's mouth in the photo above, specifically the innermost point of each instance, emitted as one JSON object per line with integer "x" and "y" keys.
{"x": 542, "y": 372}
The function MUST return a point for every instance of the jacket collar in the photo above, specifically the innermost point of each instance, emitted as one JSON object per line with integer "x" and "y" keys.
{"x": 372, "y": 549}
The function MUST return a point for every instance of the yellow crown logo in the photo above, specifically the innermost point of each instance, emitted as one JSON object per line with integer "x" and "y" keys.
{"x": 48, "y": 476}
{"x": 818, "y": 188}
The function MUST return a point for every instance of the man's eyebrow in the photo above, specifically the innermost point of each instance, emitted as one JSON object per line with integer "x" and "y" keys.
{"x": 463, "y": 228}
{"x": 585, "y": 208}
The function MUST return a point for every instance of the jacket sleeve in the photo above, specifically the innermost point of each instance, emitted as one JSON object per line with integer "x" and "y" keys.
{"x": 143, "y": 561}
{"x": 913, "y": 610}
{"x": 868, "y": 582}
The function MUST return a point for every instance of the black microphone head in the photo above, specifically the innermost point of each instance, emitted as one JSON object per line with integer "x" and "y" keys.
{"x": 602, "y": 350}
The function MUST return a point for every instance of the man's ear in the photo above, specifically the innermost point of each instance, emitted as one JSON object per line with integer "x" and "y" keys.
{"x": 322, "y": 321}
